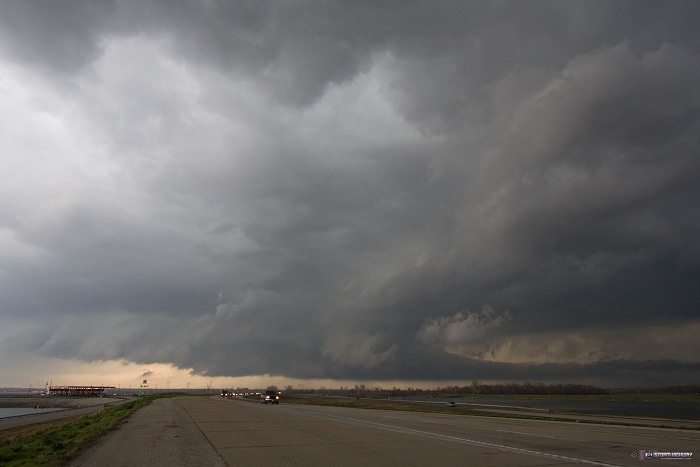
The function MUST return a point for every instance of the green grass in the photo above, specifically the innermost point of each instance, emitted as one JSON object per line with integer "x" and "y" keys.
{"x": 622, "y": 397}
{"x": 56, "y": 446}
{"x": 399, "y": 405}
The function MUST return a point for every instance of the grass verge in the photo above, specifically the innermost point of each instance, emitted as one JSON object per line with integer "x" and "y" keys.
{"x": 385, "y": 404}
{"x": 58, "y": 445}
{"x": 623, "y": 397}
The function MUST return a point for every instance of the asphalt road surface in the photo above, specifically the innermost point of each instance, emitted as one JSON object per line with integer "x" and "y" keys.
{"x": 212, "y": 431}
{"x": 160, "y": 434}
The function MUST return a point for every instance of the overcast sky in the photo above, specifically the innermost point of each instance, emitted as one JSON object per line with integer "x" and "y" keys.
{"x": 350, "y": 190}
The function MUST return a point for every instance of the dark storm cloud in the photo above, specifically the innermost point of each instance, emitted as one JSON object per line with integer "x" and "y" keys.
{"x": 395, "y": 191}
{"x": 59, "y": 36}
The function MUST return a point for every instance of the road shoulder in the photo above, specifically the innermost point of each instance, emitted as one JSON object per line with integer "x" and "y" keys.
{"x": 160, "y": 434}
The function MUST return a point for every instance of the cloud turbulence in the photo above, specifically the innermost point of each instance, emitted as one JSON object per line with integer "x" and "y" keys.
{"x": 354, "y": 190}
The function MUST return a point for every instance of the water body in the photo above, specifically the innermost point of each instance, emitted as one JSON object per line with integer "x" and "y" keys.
{"x": 674, "y": 410}
{"x": 6, "y": 412}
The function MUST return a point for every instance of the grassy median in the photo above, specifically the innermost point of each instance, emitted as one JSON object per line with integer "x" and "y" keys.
{"x": 57, "y": 445}
{"x": 412, "y": 406}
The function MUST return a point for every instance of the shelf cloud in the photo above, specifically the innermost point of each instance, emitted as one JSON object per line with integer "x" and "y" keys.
{"x": 352, "y": 190}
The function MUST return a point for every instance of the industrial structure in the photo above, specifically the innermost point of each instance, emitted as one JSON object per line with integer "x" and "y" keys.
{"x": 82, "y": 391}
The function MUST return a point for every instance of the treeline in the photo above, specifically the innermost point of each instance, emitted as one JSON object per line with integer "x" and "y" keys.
{"x": 527, "y": 388}
{"x": 474, "y": 389}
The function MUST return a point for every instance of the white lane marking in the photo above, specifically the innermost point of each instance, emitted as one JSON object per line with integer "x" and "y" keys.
{"x": 528, "y": 434}
{"x": 474, "y": 404}
{"x": 474, "y": 442}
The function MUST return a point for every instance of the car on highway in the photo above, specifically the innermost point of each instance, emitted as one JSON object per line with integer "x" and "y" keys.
{"x": 269, "y": 396}
{"x": 451, "y": 404}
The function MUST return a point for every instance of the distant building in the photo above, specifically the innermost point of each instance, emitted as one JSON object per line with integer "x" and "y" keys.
{"x": 80, "y": 391}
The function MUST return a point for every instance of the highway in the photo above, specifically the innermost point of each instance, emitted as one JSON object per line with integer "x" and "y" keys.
{"x": 254, "y": 434}
{"x": 246, "y": 433}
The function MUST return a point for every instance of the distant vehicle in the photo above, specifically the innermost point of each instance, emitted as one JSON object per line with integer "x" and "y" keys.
{"x": 451, "y": 404}
{"x": 269, "y": 396}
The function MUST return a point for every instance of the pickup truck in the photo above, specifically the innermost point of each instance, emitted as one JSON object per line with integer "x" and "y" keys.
{"x": 273, "y": 397}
